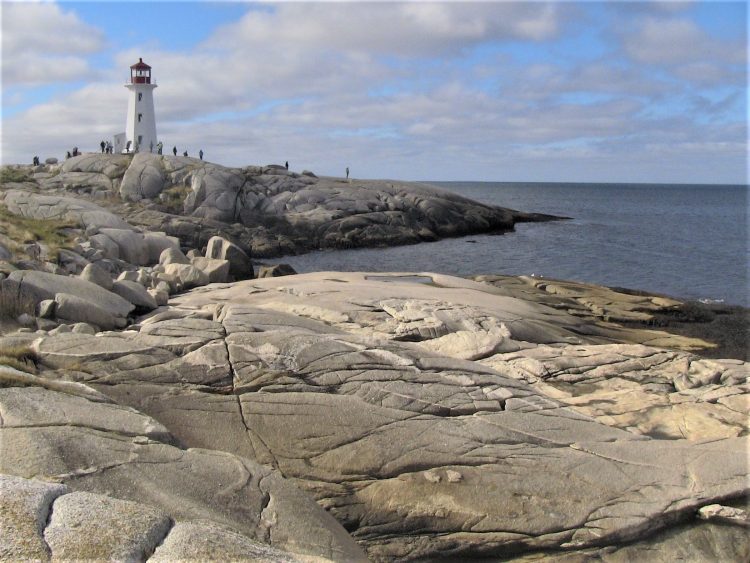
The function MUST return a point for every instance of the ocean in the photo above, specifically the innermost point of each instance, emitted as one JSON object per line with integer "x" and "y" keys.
{"x": 688, "y": 241}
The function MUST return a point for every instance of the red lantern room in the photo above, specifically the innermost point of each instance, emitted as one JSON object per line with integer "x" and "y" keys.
{"x": 140, "y": 73}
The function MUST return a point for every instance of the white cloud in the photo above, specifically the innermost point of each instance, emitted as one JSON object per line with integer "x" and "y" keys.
{"x": 677, "y": 40}
{"x": 402, "y": 29}
{"x": 296, "y": 82}
{"x": 42, "y": 43}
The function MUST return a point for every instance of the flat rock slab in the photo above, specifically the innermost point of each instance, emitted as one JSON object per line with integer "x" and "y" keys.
{"x": 42, "y": 206}
{"x": 358, "y": 389}
{"x": 76, "y": 448}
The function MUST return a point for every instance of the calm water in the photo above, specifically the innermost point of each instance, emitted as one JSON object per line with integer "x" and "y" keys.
{"x": 686, "y": 241}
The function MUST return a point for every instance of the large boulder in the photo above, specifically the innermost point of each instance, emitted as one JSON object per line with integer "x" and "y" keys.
{"x": 173, "y": 256}
{"x": 214, "y": 193}
{"x": 108, "y": 247}
{"x": 158, "y": 243}
{"x": 82, "y": 524}
{"x": 46, "y": 286}
{"x": 26, "y": 505}
{"x": 132, "y": 246}
{"x": 216, "y": 270}
{"x": 144, "y": 178}
{"x": 188, "y": 275}
{"x": 71, "y": 262}
{"x": 276, "y": 270}
{"x": 38, "y": 206}
{"x": 110, "y": 165}
{"x": 240, "y": 265}
{"x": 94, "y": 274}
{"x": 135, "y": 293}
{"x": 75, "y": 309}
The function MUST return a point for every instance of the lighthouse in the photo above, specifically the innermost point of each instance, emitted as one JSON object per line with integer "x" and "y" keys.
{"x": 140, "y": 125}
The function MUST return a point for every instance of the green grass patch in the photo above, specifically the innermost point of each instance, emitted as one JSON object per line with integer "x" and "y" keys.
{"x": 173, "y": 198}
{"x": 13, "y": 174}
{"x": 23, "y": 230}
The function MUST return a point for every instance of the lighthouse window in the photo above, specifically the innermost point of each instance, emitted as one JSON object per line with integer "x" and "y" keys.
{"x": 140, "y": 96}
{"x": 140, "y": 140}
{"x": 140, "y": 116}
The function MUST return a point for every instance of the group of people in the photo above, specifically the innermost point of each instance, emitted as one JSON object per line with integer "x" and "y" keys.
{"x": 174, "y": 152}
{"x": 107, "y": 147}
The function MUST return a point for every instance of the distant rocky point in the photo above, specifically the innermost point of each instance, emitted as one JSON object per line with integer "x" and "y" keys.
{"x": 267, "y": 210}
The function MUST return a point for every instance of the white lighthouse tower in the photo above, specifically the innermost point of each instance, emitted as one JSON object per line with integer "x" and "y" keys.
{"x": 140, "y": 126}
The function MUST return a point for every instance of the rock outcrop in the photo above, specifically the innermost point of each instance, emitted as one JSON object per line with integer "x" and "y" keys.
{"x": 356, "y": 391}
{"x": 154, "y": 408}
{"x": 268, "y": 210}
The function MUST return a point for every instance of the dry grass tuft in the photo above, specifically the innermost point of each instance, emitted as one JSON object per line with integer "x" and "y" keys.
{"x": 23, "y": 230}
{"x": 21, "y": 358}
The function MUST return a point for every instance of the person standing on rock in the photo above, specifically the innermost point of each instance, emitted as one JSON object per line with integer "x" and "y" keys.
{"x": 159, "y": 147}
{"x": 200, "y": 154}
{"x": 185, "y": 153}
{"x": 36, "y": 161}
{"x": 287, "y": 164}
{"x": 174, "y": 150}
{"x": 102, "y": 145}
{"x": 347, "y": 172}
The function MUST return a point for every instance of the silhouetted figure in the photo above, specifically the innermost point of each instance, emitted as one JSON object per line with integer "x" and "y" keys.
{"x": 200, "y": 154}
{"x": 67, "y": 155}
{"x": 184, "y": 154}
{"x": 287, "y": 164}
{"x": 174, "y": 150}
{"x": 347, "y": 172}
{"x": 127, "y": 146}
{"x": 159, "y": 147}
{"x": 151, "y": 147}
{"x": 103, "y": 145}
{"x": 36, "y": 161}
{"x": 75, "y": 151}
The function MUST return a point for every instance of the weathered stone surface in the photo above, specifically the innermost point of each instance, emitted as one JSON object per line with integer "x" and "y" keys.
{"x": 144, "y": 178}
{"x": 187, "y": 274}
{"x": 46, "y": 309}
{"x": 161, "y": 297}
{"x": 38, "y": 206}
{"x": 419, "y": 453}
{"x": 47, "y": 286}
{"x": 188, "y": 541}
{"x": 132, "y": 246}
{"x": 105, "y": 451}
{"x": 216, "y": 270}
{"x": 639, "y": 388}
{"x": 71, "y": 308}
{"x": 173, "y": 256}
{"x": 86, "y": 526}
{"x": 112, "y": 166}
{"x": 158, "y": 243}
{"x": 135, "y": 293}
{"x": 94, "y": 274}
{"x": 275, "y": 271}
{"x": 24, "y": 508}
{"x": 108, "y": 247}
{"x": 240, "y": 265}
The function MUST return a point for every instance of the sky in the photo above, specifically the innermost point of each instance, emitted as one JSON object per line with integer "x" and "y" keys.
{"x": 485, "y": 91}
